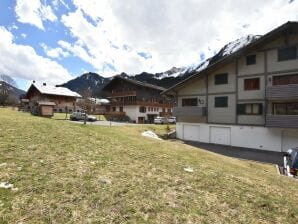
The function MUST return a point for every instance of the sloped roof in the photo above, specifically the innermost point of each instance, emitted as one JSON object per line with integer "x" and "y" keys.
{"x": 53, "y": 90}
{"x": 136, "y": 83}
{"x": 262, "y": 40}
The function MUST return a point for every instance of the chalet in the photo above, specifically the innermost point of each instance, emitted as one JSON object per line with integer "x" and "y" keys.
{"x": 45, "y": 99}
{"x": 247, "y": 99}
{"x": 140, "y": 102}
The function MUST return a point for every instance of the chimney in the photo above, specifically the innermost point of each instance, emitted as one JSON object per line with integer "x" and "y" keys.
{"x": 44, "y": 84}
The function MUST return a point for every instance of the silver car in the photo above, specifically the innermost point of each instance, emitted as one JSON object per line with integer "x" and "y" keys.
{"x": 78, "y": 116}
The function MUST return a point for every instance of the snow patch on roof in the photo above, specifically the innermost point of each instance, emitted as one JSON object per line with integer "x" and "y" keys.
{"x": 53, "y": 90}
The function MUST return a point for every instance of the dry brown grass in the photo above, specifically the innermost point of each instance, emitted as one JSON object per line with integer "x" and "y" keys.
{"x": 69, "y": 173}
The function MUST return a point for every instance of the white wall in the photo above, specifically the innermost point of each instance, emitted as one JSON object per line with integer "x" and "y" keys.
{"x": 251, "y": 94}
{"x": 271, "y": 139}
{"x": 230, "y": 87}
{"x": 195, "y": 87}
{"x": 244, "y": 69}
{"x": 133, "y": 112}
{"x": 222, "y": 114}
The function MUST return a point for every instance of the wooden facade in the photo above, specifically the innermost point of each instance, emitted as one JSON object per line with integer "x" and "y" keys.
{"x": 43, "y": 99}
{"x": 141, "y": 102}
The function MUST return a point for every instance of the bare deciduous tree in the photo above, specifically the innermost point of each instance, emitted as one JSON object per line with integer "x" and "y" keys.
{"x": 6, "y": 84}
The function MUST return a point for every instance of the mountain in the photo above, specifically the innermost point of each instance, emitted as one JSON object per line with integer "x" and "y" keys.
{"x": 94, "y": 83}
{"x": 11, "y": 89}
{"x": 9, "y": 94}
{"x": 89, "y": 83}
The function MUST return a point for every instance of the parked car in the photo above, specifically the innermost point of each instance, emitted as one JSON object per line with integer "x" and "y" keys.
{"x": 78, "y": 116}
{"x": 172, "y": 120}
{"x": 291, "y": 162}
{"x": 160, "y": 120}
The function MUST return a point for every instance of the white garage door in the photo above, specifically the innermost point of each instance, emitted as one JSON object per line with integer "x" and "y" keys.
{"x": 220, "y": 135}
{"x": 289, "y": 139}
{"x": 191, "y": 132}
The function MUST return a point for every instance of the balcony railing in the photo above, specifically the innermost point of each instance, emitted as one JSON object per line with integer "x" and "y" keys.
{"x": 122, "y": 93}
{"x": 115, "y": 113}
{"x": 142, "y": 103}
{"x": 279, "y": 92}
{"x": 189, "y": 111}
{"x": 282, "y": 121}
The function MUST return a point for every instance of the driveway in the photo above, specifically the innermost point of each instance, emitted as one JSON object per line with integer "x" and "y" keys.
{"x": 103, "y": 123}
{"x": 242, "y": 153}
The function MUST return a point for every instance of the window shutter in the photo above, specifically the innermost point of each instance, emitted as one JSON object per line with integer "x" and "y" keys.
{"x": 260, "y": 108}
{"x": 240, "y": 109}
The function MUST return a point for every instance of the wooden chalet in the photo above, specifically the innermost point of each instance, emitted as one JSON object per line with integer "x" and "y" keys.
{"x": 44, "y": 99}
{"x": 140, "y": 102}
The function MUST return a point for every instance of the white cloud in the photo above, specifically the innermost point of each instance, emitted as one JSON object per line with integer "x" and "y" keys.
{"x": 21, "y": 61}
{"x": 174, "y": 32}
{"x": 34, "y": 12}
{"x": 24, "y": 35}
{"x": 54, "y": 52}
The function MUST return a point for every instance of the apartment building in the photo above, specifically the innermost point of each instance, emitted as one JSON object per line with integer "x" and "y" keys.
{"x": 139, "y": 101}
{"x": 247, "y": 99}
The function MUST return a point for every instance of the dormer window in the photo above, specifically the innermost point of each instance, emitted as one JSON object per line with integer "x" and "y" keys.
{"x": 251, "y": 59}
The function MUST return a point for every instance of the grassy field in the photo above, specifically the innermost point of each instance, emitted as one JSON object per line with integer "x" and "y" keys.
{"x": 71, "y": 173}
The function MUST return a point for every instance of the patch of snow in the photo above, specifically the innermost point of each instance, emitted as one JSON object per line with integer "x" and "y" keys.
{"x": 150, "y": 134}
{"x": 3, "y": 164}
{"x": 202, "y": 66}
{"x": 6, "y": 185}
{"x": 188, "y": 169}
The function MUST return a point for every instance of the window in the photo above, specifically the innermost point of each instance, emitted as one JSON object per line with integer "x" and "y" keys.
{"x": 189, "y": 102}
{"x": 113, "y": 109}
{"x": 221, "y": 101}
{"x": 285, "y": 108}
{"x": 250, "y": 109}
{"x": 251, "y": 59}
{"x": 287, "y": 53}
{"x": 121, "y": 109}
{"x": 142, "y": 109}
{"x": 285, "y": 79}
{"x": 252, "y": 84}
{"x": 221, "y": 79}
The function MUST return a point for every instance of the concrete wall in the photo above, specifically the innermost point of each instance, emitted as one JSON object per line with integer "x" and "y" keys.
{"x": 222, "y": 115}
{"x": 251, "y": 119}
{"x": 202, "y": 100}
{"x": 244, "y": 69}
{"x": 196, "y": 87}
{"x": 272, "y": 139}
{"x": 275, "y": 65}
{"x": 251, "y": 94}
{"x": 230, "y": 87}
{"x": 133, "y": 112}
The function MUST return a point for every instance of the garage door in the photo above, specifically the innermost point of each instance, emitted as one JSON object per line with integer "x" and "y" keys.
{"x": 191, "y": 132}
{"x": 220, "y": 135}
{"x": 289, "y": 139}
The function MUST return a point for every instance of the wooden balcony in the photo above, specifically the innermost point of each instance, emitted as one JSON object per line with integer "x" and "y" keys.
{"x": 142, "y": 103}
{"x": 122, "y": 94}
{"x": 282, "y": 121}
{"x": 282, "y": 92}
{"x": 189, "y": 111}
{"x": 115, "y": 113}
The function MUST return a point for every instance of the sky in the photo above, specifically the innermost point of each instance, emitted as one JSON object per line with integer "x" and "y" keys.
{"x": 54, "y": 41}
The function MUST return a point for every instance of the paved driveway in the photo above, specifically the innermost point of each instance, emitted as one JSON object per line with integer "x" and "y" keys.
{"x": 104, "y": 123}
{"x": 242, "y": 153}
